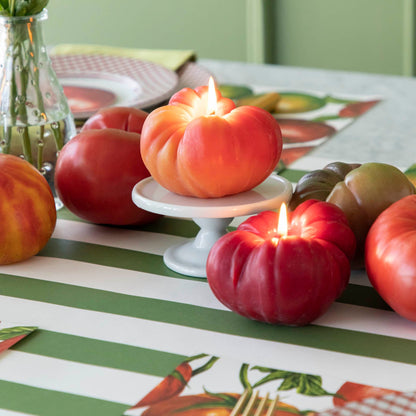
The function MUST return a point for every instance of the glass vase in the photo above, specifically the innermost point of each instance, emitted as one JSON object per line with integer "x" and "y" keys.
{"x": 35, "y": 119}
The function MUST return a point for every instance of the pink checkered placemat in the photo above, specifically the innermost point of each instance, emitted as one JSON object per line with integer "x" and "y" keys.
{"x": 395, "y": 404}
{"x": 192, "y": 75}
{"x": 157, "y": 82}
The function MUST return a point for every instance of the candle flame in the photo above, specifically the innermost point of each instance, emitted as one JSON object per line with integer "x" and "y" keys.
{"x": 212, "y": 97}
{"x": 282, "y": 223}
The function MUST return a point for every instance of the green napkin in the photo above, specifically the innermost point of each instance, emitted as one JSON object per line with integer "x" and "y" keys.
{"x": 169, "y": 58}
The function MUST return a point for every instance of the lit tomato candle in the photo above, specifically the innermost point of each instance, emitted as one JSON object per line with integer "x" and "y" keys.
{"x": 284, "y": 273}
{"x": 202, "y": 145}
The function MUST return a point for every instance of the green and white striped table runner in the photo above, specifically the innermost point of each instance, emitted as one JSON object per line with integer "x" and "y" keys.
{"x": 113, "y": 320}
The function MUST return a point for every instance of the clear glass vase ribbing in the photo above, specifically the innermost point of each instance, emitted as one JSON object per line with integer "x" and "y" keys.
{"x": 35, "y": 119}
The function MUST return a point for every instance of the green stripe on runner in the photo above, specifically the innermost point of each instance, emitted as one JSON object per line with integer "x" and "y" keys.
{"x": 98, "y": 352}
{"x": 363, "y": 296}
{"x": 172, "y": 226}
{"x": 152, "y": 263}
{"x": 65, "y": 214}
{"x": 164, "y": 225}
{"x": 108, "y": 256}
{"x": 33, "y": 400}
{"x": 334, "y": 339}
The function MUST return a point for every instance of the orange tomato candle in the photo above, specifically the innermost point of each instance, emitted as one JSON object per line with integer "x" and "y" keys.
{"x": 209, "y": 148}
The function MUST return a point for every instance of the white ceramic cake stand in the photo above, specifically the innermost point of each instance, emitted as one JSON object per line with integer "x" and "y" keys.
{"x": 212, "y": 215}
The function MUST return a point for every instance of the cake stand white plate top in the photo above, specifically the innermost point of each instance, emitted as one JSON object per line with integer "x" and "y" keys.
{"x": 213, "y": 215}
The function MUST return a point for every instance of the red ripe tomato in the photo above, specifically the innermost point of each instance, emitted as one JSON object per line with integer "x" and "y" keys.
{"x": 390, "y": 256}
{"x": 121, "y": 118}
{"x": 97, "y": 169}
{"x": 286, "y": 280}
{"x": 204, "y": 155}
{"x": 27, "y": 210}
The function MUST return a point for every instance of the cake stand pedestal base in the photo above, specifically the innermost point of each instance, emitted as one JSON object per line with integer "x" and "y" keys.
{"x": 211, "y": 215}
{"x": 190, "y": 258}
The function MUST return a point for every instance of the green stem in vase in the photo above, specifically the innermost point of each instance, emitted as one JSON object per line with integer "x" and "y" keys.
{"x": 22, "y": 7}
{"x": 24, "y": 50}
{"x": 57, "y": 134}
{"x": 21, "y": 100}
{"x": 40, "y": 104}
{"x": 39, "y": 161}
{"x": 7, "y": 136}
{"x": 12, "y": 8}
{"x": 55, "y": 126}
{"x": 7, "y": 126}
{"x": 24, "y": 131}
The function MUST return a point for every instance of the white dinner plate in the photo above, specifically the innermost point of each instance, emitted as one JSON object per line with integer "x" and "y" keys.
{"x": 88, "y": 92}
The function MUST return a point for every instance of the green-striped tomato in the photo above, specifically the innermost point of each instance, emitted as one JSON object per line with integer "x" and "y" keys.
{"x": 363, "y": 192}
{"x": 27, "y": 210}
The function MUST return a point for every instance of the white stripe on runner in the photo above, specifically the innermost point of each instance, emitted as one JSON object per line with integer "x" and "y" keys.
{"x": 144, "y": 241}
{"x": 190, "y": 341}
{"x": 147, "y": 242}
{"x": 5, "y": 412}
{"x": 198, "y": 293}
{"x": 116, "y": 280}
{"x": 363, "y": 319}
{"x": 103, "y": 383}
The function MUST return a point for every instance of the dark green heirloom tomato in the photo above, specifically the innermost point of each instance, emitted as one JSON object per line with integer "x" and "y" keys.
{"x": 318, "y": 184}
{"x": 363, "y": 192}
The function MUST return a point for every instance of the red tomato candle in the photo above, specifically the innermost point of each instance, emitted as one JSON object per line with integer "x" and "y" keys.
{"x": 195, "y": 148}
{"x": 291, "y": 277}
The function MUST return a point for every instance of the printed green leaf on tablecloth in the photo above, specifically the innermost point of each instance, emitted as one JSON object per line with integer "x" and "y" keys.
{"x": 217, "y": 389}
{"x": 307, "y": 118}
{"x": 411, "y": 173}
{"x": 10, "y": 335}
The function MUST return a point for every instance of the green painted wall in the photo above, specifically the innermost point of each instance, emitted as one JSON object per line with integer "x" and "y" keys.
{"x": 214, "y": 28}
{"x": 358, "y": 35}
